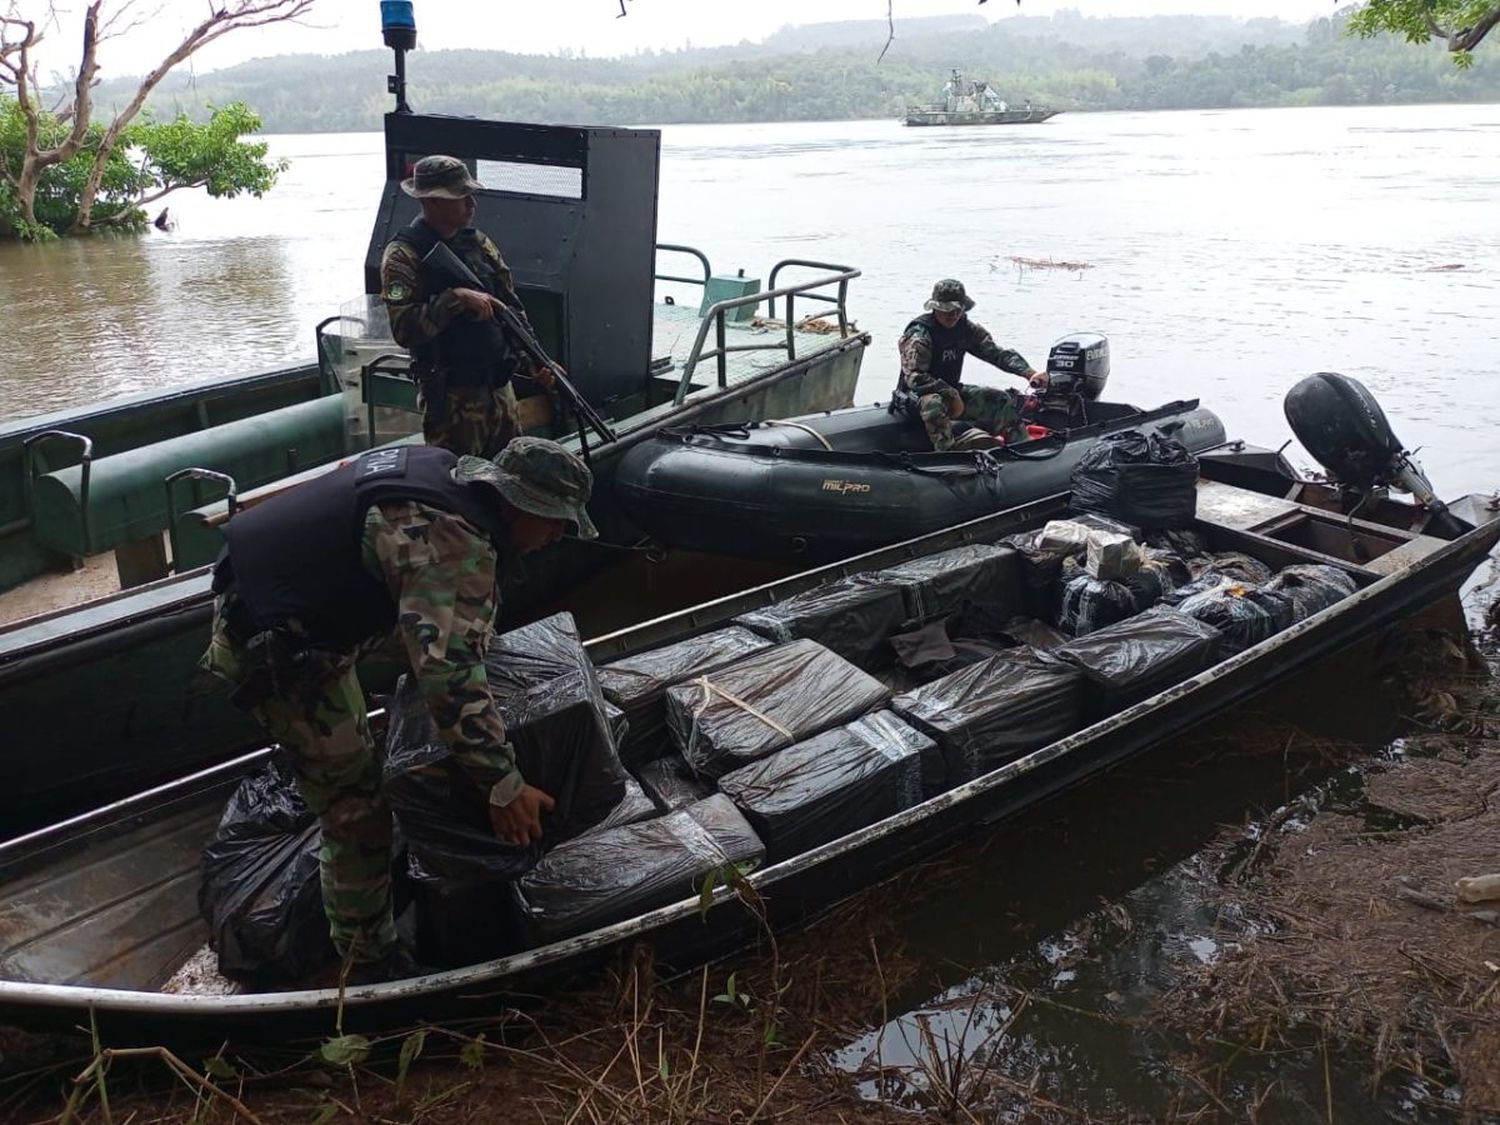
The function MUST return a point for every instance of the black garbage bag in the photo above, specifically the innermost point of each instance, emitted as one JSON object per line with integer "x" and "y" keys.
{"x": 850, "y": 617}
{"x": 1234, "y": 565}
{"x": 1092, "y": 603}
{"x": 670, "y": 784}
{"x": 1041, "y": 574}
{"x": 606, "y": 877}
{"x": 1181, "y": 541}
{"x": 1312, "y": 587}
{"x": 1160, "y": 573}
{"x": 1244, "y": 615}
{"x": 726, "y": 719}
{"x": 979, "y": 583}
{"x": 993, "y": 712}
{"x": 638, "y": 684}
{"x": 261, "y": 893}
{"x": 1136, "y": 658}
{"x": 1146, "y": 480}
{"x": 831, "y": 784}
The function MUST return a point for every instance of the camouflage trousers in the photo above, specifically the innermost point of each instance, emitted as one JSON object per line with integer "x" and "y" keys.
{"x": 990, "y": 408}
{"x": 321, "y": 723}
{"x": 478, "y": 421}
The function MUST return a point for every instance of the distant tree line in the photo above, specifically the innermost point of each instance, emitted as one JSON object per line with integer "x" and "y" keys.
{"x": 1067, "y": 61}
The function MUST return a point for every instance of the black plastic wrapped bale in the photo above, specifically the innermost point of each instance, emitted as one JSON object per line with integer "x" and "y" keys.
{"x": 1092, "y": 603}
{"x": 1234, "y": 565}
{"x": 980, "y": 583}
{"x": 831, "y": 784}
{"x": 670, "y": 784}
{"x": 1159, "y": 575}
{"x": 609, "y": 876}
{"x": 731, "y": 717}
{"x": 638, "y": 684}
{"x": 1033, "y": 633}
{"x": 1203, "y": 584}
{"x": 994, "y": 712}
{"x": 261, "y": 893}
{"x": 1126, "y": 662}
{"x": 1244, "y": 615}
{"x": 1181, "y": 541}
{"x": 1147, "y": 480}
{"x": 521, "y": 659}
{"x": 850, "y": 617}
{"x": 562, "y": 743}
{"x": 1041, "y": 574}
{"x": 1312, "y": 587}
{"x": 618, "y": 723}
{"x": 1096, "y": 522}
{"x": 635, "y": 805}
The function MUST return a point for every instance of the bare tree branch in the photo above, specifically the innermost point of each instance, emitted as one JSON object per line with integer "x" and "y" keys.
{"x": 890, "y": 22}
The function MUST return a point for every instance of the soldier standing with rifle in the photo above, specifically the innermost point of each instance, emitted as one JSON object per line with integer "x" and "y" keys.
{"x": 464, "y": 362}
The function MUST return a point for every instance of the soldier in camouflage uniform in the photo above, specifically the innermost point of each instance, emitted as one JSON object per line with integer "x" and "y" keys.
{"x": 463, "y": 362}
{"x": 400, "y": 541}
{"x": 932, "y": 361}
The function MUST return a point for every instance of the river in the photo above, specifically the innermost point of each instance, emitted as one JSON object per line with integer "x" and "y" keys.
{"x": 1228, "y": 254}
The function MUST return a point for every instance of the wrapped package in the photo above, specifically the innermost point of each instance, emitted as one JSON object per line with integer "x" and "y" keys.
{"x": 618, "y": 723}
{"x": 1032, "y": 633}
{"x": 831, "y": 784}
{"x": 261, "y": 893}
{"x": 1126, "y": 662}
{"x": 1312, "y": 587}
{"x": 635, "y": 805}
{"x": 1096, "y": 522}
{"x": 1092, "y": 603}
{"x": 1147, "y": 480}
{"x": 850, "y": 617}
{"x": 993, "y": 712}
{"x": 1241, "y": 568}
{"x": 1041, "y": 574}
{"x": 1111, "y": 556}
{"x": 1065, "y": 537}
{"x": 670, "y": 784}
{"x": 978, "y": 582}
{"x": 731, "y": 717}
{"x": 1244, "y": 615}
{"x": 638, "y": 684}
{"x": 1181, "y": 541}
{"x": 606, "y": 877}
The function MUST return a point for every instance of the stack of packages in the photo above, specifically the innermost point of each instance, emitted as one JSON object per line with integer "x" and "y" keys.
{"x": 831, "y": 784}
{"x": 1127, "y": 662}
{"x": 726, "y": 719}
{"x": 638, "y": 684}
{"x": 1146, "y": 480}
{"x": 978, "y": 586}
{"x": 850, "y": 617}
{"x": 547, "y": 693}
{"x": 991, "y": 713}
{"x": 609, "y": 876}
{"x": 670, "y": 784}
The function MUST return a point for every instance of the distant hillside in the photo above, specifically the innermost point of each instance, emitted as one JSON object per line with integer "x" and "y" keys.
{"x": 829, "y": 72}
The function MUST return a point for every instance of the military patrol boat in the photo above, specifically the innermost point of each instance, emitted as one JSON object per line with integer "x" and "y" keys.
{"x": 153, "y": 478}
{"x": 968, "y": 102}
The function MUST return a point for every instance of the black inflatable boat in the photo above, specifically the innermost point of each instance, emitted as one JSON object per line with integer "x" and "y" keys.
{"x": 826, "y": 486}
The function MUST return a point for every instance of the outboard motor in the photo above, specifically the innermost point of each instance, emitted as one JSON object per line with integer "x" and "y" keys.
{"x": 1078, "y": 366}
{"x": 1338, "y": 421}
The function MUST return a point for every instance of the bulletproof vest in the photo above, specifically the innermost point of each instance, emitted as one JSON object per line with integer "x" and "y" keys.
{"x": 948, "y": 347}
{"x": 469, "y": 352}
{"x": 300, "y": 554}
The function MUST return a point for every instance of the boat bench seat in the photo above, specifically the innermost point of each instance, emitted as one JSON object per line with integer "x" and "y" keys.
{"x": 121, "y": 499}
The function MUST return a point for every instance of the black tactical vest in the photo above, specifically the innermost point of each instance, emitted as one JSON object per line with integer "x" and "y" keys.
{"x": 469, "y": 352}
{"x": 299, "y": 554}
{"x": 948, "y": 348}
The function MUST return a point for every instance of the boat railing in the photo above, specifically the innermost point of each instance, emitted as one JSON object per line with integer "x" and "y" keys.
{"x": 716, "y": 317}
{"x": 674, "y": 248}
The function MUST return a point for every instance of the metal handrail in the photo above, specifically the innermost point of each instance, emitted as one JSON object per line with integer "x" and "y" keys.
{"x": 699, "y": 254}
{"x": 85, "y": 463}
{"x": 197, "y": 474}
{"x": 715, "y": 316}
{"x": 838, "y": 301}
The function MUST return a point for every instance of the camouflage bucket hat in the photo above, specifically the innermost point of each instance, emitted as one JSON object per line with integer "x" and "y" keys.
{"x": 948, "y": 296}
{"x": 537, "y": 476}
{"x": 446, "y": 177}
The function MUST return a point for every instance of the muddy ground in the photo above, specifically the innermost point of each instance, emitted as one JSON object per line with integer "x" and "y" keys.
{"x": 1337, "y": 976}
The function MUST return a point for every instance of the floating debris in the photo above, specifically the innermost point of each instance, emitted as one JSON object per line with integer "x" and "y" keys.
{"x": 1049, "y": 264}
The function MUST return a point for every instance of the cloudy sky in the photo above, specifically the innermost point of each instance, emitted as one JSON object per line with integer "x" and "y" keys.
{"x": 590, "y": 25}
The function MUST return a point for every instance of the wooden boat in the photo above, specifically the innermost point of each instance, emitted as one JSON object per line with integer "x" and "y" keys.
{"x": 96, "y": 912}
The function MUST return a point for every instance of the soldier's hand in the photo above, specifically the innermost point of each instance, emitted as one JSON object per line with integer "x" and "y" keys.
{"x": 520, "y": 822}
{"x": 545, "y": 377}
{"x": 1039, "y": 380}
{"x": 955, "y": 407}
{"x": 476, "y": 303}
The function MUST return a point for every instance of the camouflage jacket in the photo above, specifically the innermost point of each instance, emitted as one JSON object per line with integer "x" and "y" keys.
{"x": 442, "y": 573}
{"x": 416, "y": 317}
{"x": 916, "y": 354}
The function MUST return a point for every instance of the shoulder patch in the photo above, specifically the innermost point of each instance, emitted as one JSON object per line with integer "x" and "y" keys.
{"x": 397, "y": 291}
{"x": 382, "y": 463}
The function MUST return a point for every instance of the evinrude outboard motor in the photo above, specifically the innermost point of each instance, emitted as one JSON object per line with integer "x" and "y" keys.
{"x": 1077, "y": 369}
{"x": 1338, "y": 421}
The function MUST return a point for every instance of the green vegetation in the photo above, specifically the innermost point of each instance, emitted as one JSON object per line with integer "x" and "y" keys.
{"x": 1461, "y": 24}
{"x": 1068, "y": 61}
{"x": 151, "y": 159}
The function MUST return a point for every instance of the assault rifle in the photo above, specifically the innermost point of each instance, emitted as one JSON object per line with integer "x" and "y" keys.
{"x": 444, "y": 262}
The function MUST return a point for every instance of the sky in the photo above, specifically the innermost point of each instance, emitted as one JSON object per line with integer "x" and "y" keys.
{"x": 594, "y": 26}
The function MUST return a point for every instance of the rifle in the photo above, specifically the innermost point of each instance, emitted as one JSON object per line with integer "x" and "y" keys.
{"x": 446, "y": 263}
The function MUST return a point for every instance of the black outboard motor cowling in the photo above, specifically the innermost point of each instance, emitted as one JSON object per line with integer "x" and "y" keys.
{"x": 1078, "y": 364}
{"x": 1338, "y": 421}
